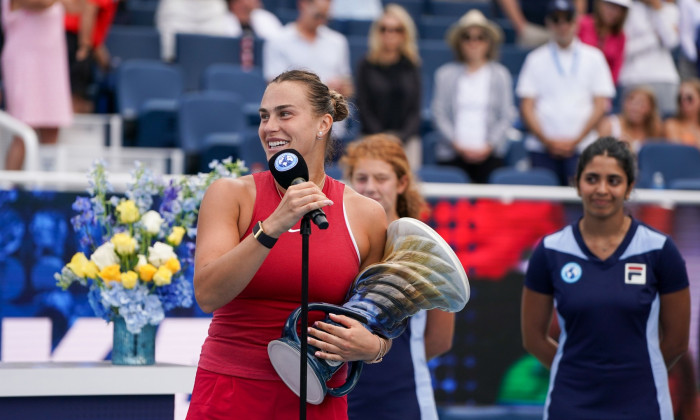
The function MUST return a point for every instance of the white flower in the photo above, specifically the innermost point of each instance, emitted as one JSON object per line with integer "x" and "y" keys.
{"x": 152, "y": 222}
{"x": 105, "y": 256}
{"x": 159, "y": 253}
{"x": 141, "y": 261}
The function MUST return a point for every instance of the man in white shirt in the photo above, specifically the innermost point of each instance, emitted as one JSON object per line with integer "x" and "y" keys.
{"x": 565, "y": 87}
{"x": 309, "y": 44}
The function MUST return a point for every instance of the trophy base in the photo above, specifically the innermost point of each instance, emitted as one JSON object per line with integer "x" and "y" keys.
{"x": 285, "y": 359}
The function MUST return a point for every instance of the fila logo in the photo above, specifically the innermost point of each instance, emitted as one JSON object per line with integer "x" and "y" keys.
{"x": 635, "y": 273}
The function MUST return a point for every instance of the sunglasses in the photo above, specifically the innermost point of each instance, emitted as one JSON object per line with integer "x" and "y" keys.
{"x": 387, "y": 29}
{"x": 562, "y": 18}
{"x": 468, "y": 38}
{"x": 686, "y": 98}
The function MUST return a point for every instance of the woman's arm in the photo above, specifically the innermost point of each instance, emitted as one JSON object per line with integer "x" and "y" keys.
{"x": 535, "y": 320}
{"x": 35, "y": 5}
{"x": 224, "y": 265}
{"x": 674, "y": 320}
{"x": 353, "y": 341}
{"x": 439, "y": 330}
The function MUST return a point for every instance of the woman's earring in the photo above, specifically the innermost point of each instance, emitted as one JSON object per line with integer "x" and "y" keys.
{"x": 320, "y": 135}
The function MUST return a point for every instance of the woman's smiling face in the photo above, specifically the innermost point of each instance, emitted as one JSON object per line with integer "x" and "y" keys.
{"x": 603, "y": 187}
{"x": 287, "y": 120}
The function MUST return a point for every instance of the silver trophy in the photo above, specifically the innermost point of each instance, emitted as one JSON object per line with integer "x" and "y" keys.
{"x": 419, "y": 271}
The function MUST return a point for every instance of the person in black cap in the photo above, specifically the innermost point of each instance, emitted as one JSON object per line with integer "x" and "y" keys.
{"x": 564, "y": 88}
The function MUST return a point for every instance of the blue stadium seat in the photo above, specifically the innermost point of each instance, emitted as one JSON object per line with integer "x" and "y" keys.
{"x": 435, "y": 27}
{"x": 508, "y": 30}
{"x": 207, "y": 120}
{"x": 132, "y": 42}
{"x": 673, "y": 161}
{"x": 146, "y": 94}
{"x": 249, "y": 84}
{"x": 433, "y": 53}
{"x": 437, "y": 173}
{"x": 458, "y": 8}
{"x": 358, "y": 49}
{"x": 685, "y": 184}
{"x": 141, "y": 12}
{"x": 195, "y": 52}
{"x": 513, "y": 57}
{"x": 509, "y": 175}
{"x": 354, "y": 27}
{"x": 334, "y": 171}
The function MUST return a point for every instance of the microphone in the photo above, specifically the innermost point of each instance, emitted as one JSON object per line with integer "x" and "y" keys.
{"x": 289, "y": 168}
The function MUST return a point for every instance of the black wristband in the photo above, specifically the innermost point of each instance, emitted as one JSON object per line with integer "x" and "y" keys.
{"x": 259, "y": 234}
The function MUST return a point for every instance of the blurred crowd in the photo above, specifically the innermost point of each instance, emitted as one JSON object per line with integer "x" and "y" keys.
{"x": 626, "y": 68}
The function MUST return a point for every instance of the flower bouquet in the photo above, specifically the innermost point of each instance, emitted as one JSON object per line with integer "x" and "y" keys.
{"x": 136, "y": 248}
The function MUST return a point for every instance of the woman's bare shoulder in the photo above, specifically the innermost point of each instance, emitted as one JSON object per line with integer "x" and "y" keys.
{"x": 228, "y": 189}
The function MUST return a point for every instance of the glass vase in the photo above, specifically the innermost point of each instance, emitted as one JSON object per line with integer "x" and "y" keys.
{"x": 133, "y": 349}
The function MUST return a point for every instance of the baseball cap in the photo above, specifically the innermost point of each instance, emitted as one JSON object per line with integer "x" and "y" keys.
{"x": 623, "y": 3}
{"x": 555, "y": 6}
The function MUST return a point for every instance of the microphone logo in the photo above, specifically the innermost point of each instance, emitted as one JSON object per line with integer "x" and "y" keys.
{"x": 286, "y": 161}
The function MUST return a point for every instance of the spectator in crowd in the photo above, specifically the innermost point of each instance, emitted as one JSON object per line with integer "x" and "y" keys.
{"x": 638, "y": 122}
{"x": 86, "y": 31}
{"x": 620, "y": 291}
{"x": 309, "y": 43}
{"x": 604, "y": 29}
{"x": 208, "y": 17}
{"x": 528, "y": 19}
{"x": 688, "y": 25}
{"x": 472, "y": 105}
{"x": 565, "y": 87}
{"x": 389, "y": 81}
{"x": 248, "y": 17}
{"x": 684, "y": 127}
{"x": 399, "y": 387}
{"x": 35, "y": 71}
{"x": 651, "y": 31}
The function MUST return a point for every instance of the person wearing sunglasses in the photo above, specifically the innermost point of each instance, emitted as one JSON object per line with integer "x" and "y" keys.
{"x": 652, "y": 34}
{"x": 684, "y": 127}
{"x": 565, "y": 87}
{"x": 388, "y": 81}
{"x": 472, "y": 106}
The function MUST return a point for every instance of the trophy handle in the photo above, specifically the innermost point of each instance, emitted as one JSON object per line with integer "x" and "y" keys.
{"x": 350, "y": 382}
{"x": 290, "y": 327}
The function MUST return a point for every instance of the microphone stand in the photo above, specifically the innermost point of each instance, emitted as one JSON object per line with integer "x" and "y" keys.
{"x": 305, "y": 230}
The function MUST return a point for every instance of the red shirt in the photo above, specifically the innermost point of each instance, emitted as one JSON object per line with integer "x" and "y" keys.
{"x": 105, "y": 15}
{"x": 613, "y": 46}
{"x": 240, "y": 331}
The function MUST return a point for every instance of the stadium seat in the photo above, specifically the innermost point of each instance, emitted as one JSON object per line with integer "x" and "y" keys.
{"x": 141, "y": 12}
{"x": 685, "y": 184}
{"x": 357, "y": 27}
{"x": 196, "y": 52}
{"x": 435, "y": 27}
{"x": 437, "y": 173}
{"x": 132, "y": 42}
{"x": 207, "y": 120}
{"x": 458, "y": 8}
{"x": 513, "y": 57}
{"x": 673, "y": 161}
{"x": 334, "y": 171}
{"x": 146, "y": 94}
{"x": 535, "y": 176}
{"x": 358, "y": 48}
{"x": 249, "y": 84}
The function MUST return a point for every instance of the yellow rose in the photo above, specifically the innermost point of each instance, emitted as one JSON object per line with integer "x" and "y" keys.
{"x": 128, "y": 213}
{"x": 124, "y": 244}
{"x": 173, "y": 265}
{"x": 163, "y": 276}
{"x": 175, "y": 237}
{"x": 129, "y": 279}
{"x": 110, "y": 273}
{"x": 146, "y": 272}
{"x": 81, "y": 266}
